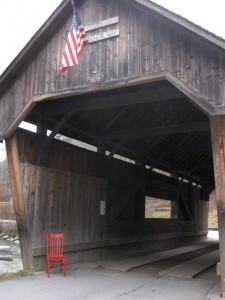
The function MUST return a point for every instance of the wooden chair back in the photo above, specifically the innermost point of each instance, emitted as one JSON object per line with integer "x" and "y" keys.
{"x": 54, "y": 243}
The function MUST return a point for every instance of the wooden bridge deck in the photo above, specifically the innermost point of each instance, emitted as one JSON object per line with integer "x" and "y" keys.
{"x": 192, "y": 267}
{"x": 129, "y": 263}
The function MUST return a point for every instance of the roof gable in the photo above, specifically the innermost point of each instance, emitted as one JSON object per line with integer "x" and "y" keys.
{"x": 182, "y": 22}
{"x": 62, "y": 12}
{"x": 151, "y": 45}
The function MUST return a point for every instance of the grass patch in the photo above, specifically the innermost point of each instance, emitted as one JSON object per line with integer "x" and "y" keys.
{"x": 157, "y": 208}
{"x": 21, "y": 273}
{"x": 160, "y": 214}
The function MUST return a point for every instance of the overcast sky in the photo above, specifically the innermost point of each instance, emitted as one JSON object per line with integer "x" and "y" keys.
{"x": 20, "y": 19}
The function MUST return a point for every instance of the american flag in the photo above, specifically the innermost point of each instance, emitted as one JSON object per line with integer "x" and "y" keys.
{"x": 75, "y": 42}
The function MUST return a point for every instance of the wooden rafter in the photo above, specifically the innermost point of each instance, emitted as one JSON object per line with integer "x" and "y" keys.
{"x": 157, "y": 163}
{"x": 154, "y": 131}
{"x": 115, "y": 149}
{"x": 107, "y": 102}
{"x": 181, "y": 149}
{"x": 57, "y": 128}
{"x": 74, "y": 128}
{"x": 164, "y": 166}
{"x": 113, "y": 121}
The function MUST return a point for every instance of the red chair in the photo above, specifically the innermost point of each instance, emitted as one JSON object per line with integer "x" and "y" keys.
{"x": 54, "y": 251}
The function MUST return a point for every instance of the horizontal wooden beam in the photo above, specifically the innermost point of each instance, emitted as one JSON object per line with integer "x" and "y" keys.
{"x": 107, "y": 102}
{"x": 202, "y": 103}
{"x": 164, "y": 166}
{"x": 184, "y": 149}
{"x": 160, "y": 185}
{"x": 162, "y": 130}
{"x": 41, "y": 251}
{"x": 100, "y": 86}
{"x": 16, "y": 122}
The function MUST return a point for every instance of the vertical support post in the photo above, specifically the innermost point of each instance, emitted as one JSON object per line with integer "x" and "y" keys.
{"x": 42, "y": 134}
{"x": 101, "y": 147}
{"x": 174, "y": 209}
{"x": 175, "y": 202}
{"x": 190, "y": 197}
{"x": 17, "y": 192}
{"x": 218, "y": 146}
{"x": 140, "y": 196}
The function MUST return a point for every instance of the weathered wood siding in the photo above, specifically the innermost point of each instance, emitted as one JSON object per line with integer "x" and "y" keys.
{"x": 201, "y": 210}
{"x": 162, "y": 228}
{"x": 146, "y": 44}
{"x": 65, "y": 194}
{"x": 152, "y": 234}
{"x": 59, "y": 201}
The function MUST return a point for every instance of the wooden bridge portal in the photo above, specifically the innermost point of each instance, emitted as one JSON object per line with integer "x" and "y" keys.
{"x": 148, "y": 99}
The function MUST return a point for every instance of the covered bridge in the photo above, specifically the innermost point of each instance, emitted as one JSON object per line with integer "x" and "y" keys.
{"x": 148, "y": 99}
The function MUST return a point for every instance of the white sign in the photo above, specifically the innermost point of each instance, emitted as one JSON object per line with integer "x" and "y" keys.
{"x": 102, "y": 208}
{"x": 103, "y": 35}
{"x": 101, "y": 24}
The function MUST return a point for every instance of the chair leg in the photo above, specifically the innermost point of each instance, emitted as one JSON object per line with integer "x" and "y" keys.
{"x": 64, "y": 267}
{"x": 47, "y": 267}
{"x": 63, "y": 263}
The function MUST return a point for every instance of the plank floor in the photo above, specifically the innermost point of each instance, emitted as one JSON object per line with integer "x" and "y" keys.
{"x": 129, "y": 263}
{"x": 192, "y": 267}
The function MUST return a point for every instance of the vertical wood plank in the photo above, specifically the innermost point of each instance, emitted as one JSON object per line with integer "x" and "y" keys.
{"x": 16, "y": 183}
{"x": 218, "y": 145}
